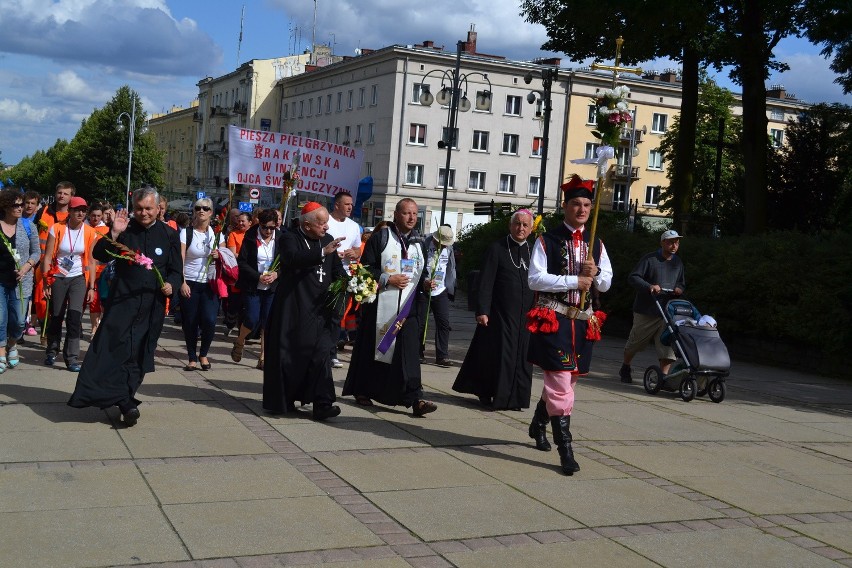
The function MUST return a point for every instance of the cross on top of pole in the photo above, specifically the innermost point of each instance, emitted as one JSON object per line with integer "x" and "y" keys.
{"x": 615, "y": 68}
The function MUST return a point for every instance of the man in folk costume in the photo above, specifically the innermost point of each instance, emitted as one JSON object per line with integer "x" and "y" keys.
{"x": 385, "y": 364}
{"x": 563, "y": 270}
{"x": 297, "y": 342}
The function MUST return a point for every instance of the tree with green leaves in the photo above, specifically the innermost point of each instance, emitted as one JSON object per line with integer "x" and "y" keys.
{"x": 714, "y": 105}
{"x": 95, "y": 160}
{"x": 811, "y": 173}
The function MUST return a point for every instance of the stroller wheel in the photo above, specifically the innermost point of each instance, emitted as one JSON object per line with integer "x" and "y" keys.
{"x": 653, "y": 379}
{"x": 716, "y": 390}
{"x": 688, "y": 388}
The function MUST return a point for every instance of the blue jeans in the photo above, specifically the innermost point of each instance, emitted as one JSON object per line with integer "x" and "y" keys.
{"x": 11, "y": 314}
{"x": 256, "y": 305}
{"x": 198, "y": 311}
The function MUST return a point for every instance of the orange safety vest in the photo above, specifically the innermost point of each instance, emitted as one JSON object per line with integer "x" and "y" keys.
{"x": 89, "y": 238}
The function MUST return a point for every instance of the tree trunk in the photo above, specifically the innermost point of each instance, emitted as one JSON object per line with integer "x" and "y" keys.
{"x": 684, "y": 164}
{"x": 753, "y": 74}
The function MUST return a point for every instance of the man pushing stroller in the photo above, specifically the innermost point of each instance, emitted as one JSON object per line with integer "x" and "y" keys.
{"x": 656, "y": 271}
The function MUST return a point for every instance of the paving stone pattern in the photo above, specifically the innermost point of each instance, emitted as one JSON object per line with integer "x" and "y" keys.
{"x": 207, "y": 479}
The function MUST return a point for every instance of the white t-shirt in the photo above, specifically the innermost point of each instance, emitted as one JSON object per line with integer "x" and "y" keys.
{"x": 348, "y": 229}
{"x": 196, "y": 254}
{"x": 69, "y": 255}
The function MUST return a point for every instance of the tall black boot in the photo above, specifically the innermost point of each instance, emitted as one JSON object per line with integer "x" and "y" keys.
{"x": 538, "y": 427}
{"x": 562, "y": 438}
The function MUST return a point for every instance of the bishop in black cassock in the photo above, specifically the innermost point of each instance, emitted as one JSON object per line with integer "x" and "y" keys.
{"x": 122, "y": 350}
{"x": 298, "y": 342}
{"x": 496, "y": 368}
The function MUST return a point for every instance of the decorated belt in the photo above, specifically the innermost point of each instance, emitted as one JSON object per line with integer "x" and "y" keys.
{"x": 571, "y": 312}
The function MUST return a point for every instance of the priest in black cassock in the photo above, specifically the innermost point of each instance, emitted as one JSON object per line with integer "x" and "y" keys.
{"x": 496, "y": 368}
{"x": 297, "y": 341}
{"x": 122, "y": 350}
{"x": 385, "y": 364}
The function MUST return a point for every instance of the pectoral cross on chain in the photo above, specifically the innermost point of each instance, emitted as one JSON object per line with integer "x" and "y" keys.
{"x": 321, "y": 273}
{"x": 615, "y": 68}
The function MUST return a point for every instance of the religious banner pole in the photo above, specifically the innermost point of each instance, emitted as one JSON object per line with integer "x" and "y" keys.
{"x": 611, "y": 114}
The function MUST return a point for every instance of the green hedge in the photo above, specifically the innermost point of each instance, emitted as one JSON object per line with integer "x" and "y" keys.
{"x": 779, "y": 297}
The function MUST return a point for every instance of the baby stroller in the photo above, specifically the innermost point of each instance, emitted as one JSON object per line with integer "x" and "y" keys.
{"x": 703, "y": 361}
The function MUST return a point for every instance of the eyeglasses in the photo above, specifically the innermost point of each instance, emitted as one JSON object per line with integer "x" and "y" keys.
{"x": 267, "y": 227}
{"x": 18, "y": 205}
{"x": 202, "y": 208}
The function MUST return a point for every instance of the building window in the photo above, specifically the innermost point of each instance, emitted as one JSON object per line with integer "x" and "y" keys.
{"x": 416, "y": 91}
{"x": 592, "y": 118}
{"x": 507, "y": 183}
{"x": 350, "y": 99}
{"x": 339, "y": 102}
{"x": 537, "y": 143}
{"x": 417, "y": 134}
{"x": 655, "y": 160}
{"x": 310, "y": 107}
{"x": 358, "y": 132}
{"x": 619, "y": 197}
{"x": 480, "y": 141}
{"x": 476, "y": 181}
{"x": 777, "y": 137}
{"x": 451, "y": 182}
{"x": 362, "y": 97}
{"x": 660, "y": 122}
{"x": 319, "y": 105}
{"x": 371, "y": 133}
{"x": 414, "y": 174}
{"x": 533, "y": 188}
{"x": 347, "y": 135}
{"x": 510, "y": 144}
{"x": 591, "y": 150}
{"x": 652, "y": 195}
{"x": 513, "y": 105}
{"x": 776, "y": 114}
{"x": 326, "y": 134}
{"x": 374, "y": 95}
{"x": 337, "y": 135}
{"x": 328, "y": 103}
{"x": 293, "y": 109}
{"x": 284, "y": 109}
{"x": 368, "y": 168}
{"x": 301, "y": 109}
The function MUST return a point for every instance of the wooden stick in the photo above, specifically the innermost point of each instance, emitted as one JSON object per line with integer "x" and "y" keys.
{"x": 592, "y": 230}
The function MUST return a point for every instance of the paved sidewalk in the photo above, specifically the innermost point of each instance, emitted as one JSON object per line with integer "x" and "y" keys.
{"x": 206, "y": 479}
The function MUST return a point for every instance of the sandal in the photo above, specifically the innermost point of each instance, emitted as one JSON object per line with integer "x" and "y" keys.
{"x": 2, "y": 365}
{"x": 423, "y": 407}
{"x": 363, "y": 400}
{"x": 237, "y": 352}
{"x": 260, "y": 364}
{"x": 13, "y": 358}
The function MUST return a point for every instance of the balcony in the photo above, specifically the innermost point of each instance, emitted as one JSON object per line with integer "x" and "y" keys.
{"x": 619, "y": 171}
{"x": 240, "y": 108}
{"x": 625, "y": 135}
{"x": 196, "y": 117}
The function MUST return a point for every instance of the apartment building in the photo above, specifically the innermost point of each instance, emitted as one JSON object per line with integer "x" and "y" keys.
{"x": 175, "y": 133}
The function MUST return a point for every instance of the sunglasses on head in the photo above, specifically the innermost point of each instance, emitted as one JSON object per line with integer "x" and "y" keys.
{"x": 202, "y": 208}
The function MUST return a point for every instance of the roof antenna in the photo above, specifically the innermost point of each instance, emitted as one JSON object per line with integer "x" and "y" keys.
{"x": 240, "y": 41}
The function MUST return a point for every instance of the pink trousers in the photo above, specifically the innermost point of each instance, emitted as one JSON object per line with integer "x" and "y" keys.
{"x": 558, "y": 392}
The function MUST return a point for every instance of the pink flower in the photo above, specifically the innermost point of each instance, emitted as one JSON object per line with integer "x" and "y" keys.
{"x": 144, "y": 261}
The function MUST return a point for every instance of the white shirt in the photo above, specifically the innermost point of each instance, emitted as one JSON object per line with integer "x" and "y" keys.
{"x": 264, "y": 260}
{"x": 69, "y": 254}
{"x": 542, "y": 281}
{"x": 196, "y": 254}
{"x": 348, "y": 229}
{"x": 440, "y": 274}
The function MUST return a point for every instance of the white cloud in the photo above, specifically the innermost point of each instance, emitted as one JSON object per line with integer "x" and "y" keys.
{"x": 16, "y": 112}
{"x": 132, "y": 35}
{"x": 67, "y": 85}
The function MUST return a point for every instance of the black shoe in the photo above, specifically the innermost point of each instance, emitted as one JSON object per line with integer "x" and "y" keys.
{"x": 486, "y": 402}
{"x": 50, "y": 360}
{"x": 624, "y": 373}
{"x": 562, "y": 438}
{"x": 324, "y": 412}
{"x": 130, "y": 417}
{"x": 538, "y": 427}
{"x": 443, "y": 363}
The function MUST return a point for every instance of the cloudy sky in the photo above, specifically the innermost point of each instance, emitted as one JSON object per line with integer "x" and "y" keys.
{"x": 60, "y": 59}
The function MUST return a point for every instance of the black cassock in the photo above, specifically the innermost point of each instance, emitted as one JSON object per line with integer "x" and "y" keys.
{"x": 496, "y": 363}
{"x": 122, "y": 350}
{"x": 297, "y": 364}
{"x": 397, "y": 383}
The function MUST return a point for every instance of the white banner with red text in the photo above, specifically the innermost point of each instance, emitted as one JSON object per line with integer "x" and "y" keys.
{"x": 258, "y": 157}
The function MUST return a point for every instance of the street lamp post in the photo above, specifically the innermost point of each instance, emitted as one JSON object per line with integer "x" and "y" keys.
{"x": 547, "y": 77}
{"x": 119, "y": 126}
{"x": 457, "y": 101}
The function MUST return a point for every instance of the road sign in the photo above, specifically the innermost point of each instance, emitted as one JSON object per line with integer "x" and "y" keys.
{"x": 245, "y": 206}
{"x": 254, "y": 201}
{"x": 200, "y": 195}
{"x": 254, "y": 193}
